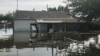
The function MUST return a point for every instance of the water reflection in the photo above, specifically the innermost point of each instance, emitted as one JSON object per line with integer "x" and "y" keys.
{"x": 48, "y": 44}
{"x": 9, "y": 31}
{"x": 5, "y": 35}
{"x": 6, "y": 38}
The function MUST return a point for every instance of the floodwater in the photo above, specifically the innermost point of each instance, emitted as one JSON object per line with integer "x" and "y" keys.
{"x": 45, "y": 44}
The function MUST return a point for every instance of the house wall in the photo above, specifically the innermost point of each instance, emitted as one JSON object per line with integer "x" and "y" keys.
{"x": 23, "y": 25}
{"x": 42, "y": 27}
{"x": 60, "y": 27}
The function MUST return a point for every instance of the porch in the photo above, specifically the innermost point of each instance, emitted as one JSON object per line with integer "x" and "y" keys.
{"x": 60, "y": 27}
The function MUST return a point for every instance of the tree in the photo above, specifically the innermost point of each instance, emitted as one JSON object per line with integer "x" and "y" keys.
{"x": 62, "y": 8}
{"x": 86, "y": 10}
{"x": 52, "y": 9}
{"x": 97, "y": 21}
{"x": 1, "y": 17}
{"x": 59, "y": 8}
{"x": 8, "y": 17}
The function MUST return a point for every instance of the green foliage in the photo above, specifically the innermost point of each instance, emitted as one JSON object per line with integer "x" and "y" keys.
{"x": 8, "y": 17}
{"x": 60, "y": 8}
{"x": 52, "y": 9}
{"x": 1, "y": 17}
{"x": 97, "y": 21}
{"x": 89, "y": 9}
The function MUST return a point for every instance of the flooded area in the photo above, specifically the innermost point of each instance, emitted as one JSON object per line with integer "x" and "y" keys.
{"x": 4, "y": 33}
{"x": 47, "y": 44}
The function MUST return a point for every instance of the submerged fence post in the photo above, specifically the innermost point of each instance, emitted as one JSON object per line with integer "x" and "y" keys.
{"x": 52, "y": 43}
{"x": 52, "y": 38}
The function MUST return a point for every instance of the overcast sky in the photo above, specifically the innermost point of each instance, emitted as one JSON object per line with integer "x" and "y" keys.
{"x": 10, "y": 5}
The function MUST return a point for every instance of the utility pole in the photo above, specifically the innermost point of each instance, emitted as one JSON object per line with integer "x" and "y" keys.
{"x": 17, "y": 5}
{"x": 47, "y": 7}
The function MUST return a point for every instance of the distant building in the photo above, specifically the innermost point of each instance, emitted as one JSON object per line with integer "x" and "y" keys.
{"x": 47, "y": 21}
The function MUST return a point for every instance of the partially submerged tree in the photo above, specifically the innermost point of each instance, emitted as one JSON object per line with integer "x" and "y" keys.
{"x": 8, "y": 17}
{"x": 87, "y": 10}
{"x": 1, "y": 17}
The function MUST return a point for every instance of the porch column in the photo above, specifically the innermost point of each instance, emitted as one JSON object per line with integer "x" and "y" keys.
{"x": 39, "y": 31}
{"x": 53, "y": 27}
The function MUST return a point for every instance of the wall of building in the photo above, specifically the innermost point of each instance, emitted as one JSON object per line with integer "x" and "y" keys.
{"x": 59, "y": 27}
{"x": 63, "y": 27}
{"x": 42, "y": 27}
{"x": 23, "y": 25}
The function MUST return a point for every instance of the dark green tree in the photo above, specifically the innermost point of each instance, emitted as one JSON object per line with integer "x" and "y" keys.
{"x": 86, "y": 10}
{"x": 61, "y": 8}
{"x": 1, "y": 17}
{"x": 97, "y": 21}
{"x": 9, "y": 17}
{"x": 52, "y": 9}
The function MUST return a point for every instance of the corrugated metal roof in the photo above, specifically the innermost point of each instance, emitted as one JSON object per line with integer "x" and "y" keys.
{"x": 41, "y": 14}
{"x": 46, "y": 16}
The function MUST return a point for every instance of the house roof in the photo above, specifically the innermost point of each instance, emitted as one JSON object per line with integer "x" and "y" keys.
{"x": 63, "y": 20}
{"x": 46, "y": 16}
{"x": 41, "y": 14}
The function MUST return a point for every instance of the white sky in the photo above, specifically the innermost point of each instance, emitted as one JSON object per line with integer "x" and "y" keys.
{"x": 10, "y": 5}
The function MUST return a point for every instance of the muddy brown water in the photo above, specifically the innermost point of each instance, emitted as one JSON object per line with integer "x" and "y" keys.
{"x": 42, "y": 45}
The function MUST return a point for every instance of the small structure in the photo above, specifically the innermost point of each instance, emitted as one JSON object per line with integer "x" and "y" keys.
{"x": 46, "y": 21}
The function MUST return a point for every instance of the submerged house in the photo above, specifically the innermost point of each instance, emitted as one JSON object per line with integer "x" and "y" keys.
{"x": 47, "y": 21}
